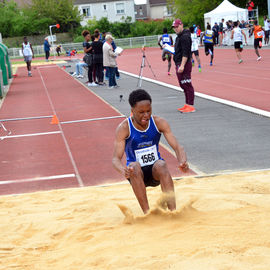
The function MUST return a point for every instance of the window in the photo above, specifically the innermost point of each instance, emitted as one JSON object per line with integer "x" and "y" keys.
{"x": 120, "y": 8}
{"x": 104, "y": 7}
{"x": 140, "y": 11}
{"x": 169, "y": 10}
{"x": 86, "y": 11}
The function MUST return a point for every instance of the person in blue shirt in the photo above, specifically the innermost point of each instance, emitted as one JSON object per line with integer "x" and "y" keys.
{"x": 138, "y": 137}
{"x": 47, "y": 48}
{"x": 209, "y": 38}
{"x": 166, "y": 39}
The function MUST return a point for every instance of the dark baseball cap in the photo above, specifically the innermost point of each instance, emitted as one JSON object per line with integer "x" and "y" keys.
{"x": 176, "y": 23}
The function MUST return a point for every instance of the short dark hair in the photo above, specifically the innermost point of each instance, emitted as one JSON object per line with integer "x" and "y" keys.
{"x": 191, "y": 29}
{"x": 165, "y": 30}
{"x": 235, "y": 24}
{"x": 137, "y": 96}
{"x": 208, "y": 27}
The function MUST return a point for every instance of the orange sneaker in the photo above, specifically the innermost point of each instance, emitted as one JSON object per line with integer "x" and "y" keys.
{"x": 188, "y": 109}
{"x": 183, "y": 108}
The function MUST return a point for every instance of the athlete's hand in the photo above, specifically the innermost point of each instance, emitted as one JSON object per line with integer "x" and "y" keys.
{"x": 180, "y": 69}
{"x": 184, "y": 167}
{"x": 128, "y": 172}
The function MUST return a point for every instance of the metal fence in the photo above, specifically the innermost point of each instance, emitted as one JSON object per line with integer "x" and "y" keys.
{"x": 134, "y": 42}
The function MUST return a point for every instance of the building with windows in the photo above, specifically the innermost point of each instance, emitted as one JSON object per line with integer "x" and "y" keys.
{"x": 113, "y": 10}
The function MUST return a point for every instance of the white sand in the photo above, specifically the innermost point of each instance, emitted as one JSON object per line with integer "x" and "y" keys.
{"x": 221, "y": 223}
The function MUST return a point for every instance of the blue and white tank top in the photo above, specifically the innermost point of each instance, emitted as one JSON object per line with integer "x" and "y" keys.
{"x": 209, "y": 36}
{"x": 166, "y": 39}
{"x": 142, "y": 145}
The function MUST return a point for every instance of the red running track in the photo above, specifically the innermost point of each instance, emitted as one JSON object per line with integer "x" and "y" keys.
{"x": 247, "y": 83}
{"x": 41, "y": 156}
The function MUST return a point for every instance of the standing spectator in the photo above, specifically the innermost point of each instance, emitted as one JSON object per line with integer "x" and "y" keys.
{"x": 117, "y": 74}
{"x": 47, "y": 48}
{"x": 166, "y": 39}
{"x": 215, "y": 29}
{"x": 98, "y": 57}
{"x": 58, "y": 49}
{"x": 237, "y": 36}
{"x": 195, "y": 47}
{"x": 258, "y": 35}
{"x": 266, "y": 29}
{"x": 250, "y": 6}
{"x": 221, "y": 32}
{"x": 28, "y": 54}
{"x": 109, "y": 60}
{"x": 209, "y": 43}
{"x": 182, "y": 59}
{"x": 243, "y": 24}
{"x": 87, "y": 47}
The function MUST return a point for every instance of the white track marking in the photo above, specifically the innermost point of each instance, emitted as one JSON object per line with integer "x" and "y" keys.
{"x": 30, "y": 135}
{"x": 79, "y": 179}
{"x": 26, "y": 118}
{"x": 44, "y": 178}
{"x": 215, "y": 99}
{"x": 93, "y": 119}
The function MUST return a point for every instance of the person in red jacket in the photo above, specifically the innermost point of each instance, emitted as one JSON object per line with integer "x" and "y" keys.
{"x": 250, "y": 5}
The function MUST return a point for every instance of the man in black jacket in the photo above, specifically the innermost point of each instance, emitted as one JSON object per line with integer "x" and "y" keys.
{"x": 182, "y": 59}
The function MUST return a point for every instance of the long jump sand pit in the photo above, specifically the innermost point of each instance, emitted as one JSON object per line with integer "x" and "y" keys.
{"x": 222, "y": 222}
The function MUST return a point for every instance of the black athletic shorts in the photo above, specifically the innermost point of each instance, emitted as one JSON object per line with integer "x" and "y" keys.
{"x": 267, "y": 33}
{"x": 257, "y": 43}
{"x": 238, "y": 45}
{"x": 208, "y": 46}
{"x": 148, "y": 178}
{"x": 196, "y": 53}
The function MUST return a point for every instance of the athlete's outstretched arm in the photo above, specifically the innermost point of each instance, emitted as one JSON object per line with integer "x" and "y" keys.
{"x": 164, "y": 127}
{"x": 122, "y": 132}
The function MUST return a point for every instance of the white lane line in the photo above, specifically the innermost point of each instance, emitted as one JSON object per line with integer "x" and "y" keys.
{"x": 26, "y": 118}
{"x": 30, "y": 135}
{"x": 79, "y": 179}
{"x": 215, "y": 99}
{"x": 93, "y": 119}
{"x": 44, "y": 178}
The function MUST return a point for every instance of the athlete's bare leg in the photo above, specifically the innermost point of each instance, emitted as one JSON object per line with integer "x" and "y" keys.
{"x": 162, "y": 174}
{"x": 138, "y": 186}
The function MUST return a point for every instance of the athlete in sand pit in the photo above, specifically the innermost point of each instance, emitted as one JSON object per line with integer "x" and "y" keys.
{"x": 138, "y": 136}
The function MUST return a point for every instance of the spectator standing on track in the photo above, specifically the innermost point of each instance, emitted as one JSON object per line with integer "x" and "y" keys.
{"x": 28, "y": 54}
{"x": 195, "y": 47}
{"x": 209, "y": 43}
{"x": 138, "y": 137}
{"x": 87, "y": 47}
{"x": 183, "y": 65}
{"x": 221, "y": 32}
{"x": 47, "y": 48}
{"x": 237, "y": 36}
{"x": 166, "y": 39}
{"x": 250, "y": 5}
{"x": 215, "y": 29}
{"x": 258, "y": 36}
{"x": 98, "y": 57}
{"x": 109, "y": 60}
{"x": 266, "y": 29}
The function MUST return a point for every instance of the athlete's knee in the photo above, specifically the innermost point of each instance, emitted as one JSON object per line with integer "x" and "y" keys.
{"x": 160, "y": 168}
{"x": 136, "y": 169}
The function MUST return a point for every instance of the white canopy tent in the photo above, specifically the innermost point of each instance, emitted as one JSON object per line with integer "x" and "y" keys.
{"x": 226, "y": 11}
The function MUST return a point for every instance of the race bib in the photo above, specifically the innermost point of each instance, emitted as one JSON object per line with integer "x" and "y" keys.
{"x": 146, "y": 156}
{"x": 260, "y": 34}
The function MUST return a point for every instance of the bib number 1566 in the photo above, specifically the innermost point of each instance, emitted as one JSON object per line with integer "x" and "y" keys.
{"x": 148, "y": 158}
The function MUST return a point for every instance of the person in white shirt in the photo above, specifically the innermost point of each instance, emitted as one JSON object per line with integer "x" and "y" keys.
{"x": 195, "y": 47}
{"x": 267, "y": 29}
{"x": 237, "y": 36}
{"x": 28, "y": 54}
